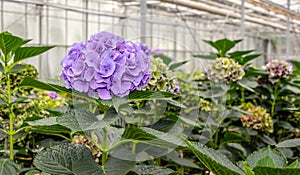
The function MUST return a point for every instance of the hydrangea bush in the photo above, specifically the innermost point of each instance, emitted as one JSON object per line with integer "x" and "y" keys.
{"x": 107, "y": 65}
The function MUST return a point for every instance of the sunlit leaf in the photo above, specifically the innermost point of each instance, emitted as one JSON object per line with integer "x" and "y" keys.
{"x": 266, "y": 157}
{"x": 28, "y": 52}
{"x": 9, "y": 42}
{"x": 239, "y": 53}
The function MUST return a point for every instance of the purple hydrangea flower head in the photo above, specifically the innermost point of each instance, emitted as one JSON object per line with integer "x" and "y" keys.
{"x": 107, "y": 65}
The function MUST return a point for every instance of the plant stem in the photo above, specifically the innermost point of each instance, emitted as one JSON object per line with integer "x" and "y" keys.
{"x": 229, "y": 99}
{"x": 274, "y": 100}
{"x": 133, "y": 148}
{"x": 242, "y": 95}
{"x": 11, "y": 131}
{"x": 104, "y": 153}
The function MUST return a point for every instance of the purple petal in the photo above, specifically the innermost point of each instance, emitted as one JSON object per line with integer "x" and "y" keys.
{"x": 134, "y": 72}
{"x": 91, "y": 58}
{"x": 81, "y": 86}
{"x": 107, "y": 67}
{"x": 121, "y": 89}
{"x": 89, "y": 74}
{"x": 138, "y": 79}
{"x": 78, "y": 67}
{"x": 70, "y": 72}
{"x": 104, "y": 94}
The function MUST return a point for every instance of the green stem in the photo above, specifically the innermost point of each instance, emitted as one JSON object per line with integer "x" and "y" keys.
{"x": 274, "y": 100}
{"x": 104, "y": 152}
{"x": 229, "y": 98}
{"x": 104, "y": 158}
{"x": 11, "y": 131}
{"x": 216, "y": 138}
{"x": 242, "y": 95}
{"x": 133, "y": 148}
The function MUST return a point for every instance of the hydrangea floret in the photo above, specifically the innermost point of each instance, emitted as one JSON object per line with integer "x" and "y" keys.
{"x": 259, "y": 118}
{"x": 163, "y": 79}
{"x": 279, "y": 69}
{"x": 226, "y": 69}
{"x": 106, "y": 65}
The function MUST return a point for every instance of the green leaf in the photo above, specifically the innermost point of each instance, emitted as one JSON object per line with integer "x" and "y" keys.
{"x": 36, "y": 172}
{"x": 181, "y": 161}
{"x": 55, "y": 130}
{"x": 213, "y": 44}
{"x": 215, "y": 161}
{"x": 275, "y": 171}
{"x": 268, "y": 140}
{"x": 238, "y": 147}
{"x": 43, "y": 122}
{"x": 266, "y": 161}
{"x": 176, "y": 65}
{"x": 293, "y": 164}
{"x": 151, "y": 170}
{"x": 115, "y": 166}
{"x": 77, "y": 119}
{"x": 245, "y": 84}
{"x": 9, "y": 167}
{"x": 67, "y": 159}
{"x": 247, "y": 169}
{"x": 231, "y": 137}
{"x": 239, "y": 53}
{"x": 266, "y": 157}
{"x": 222, "y": 46}
{"x": 168, "y": 137}
{"x": 134, "y": 133}
{"x": 255, "y": 72}
{"x": 33, "y": 83}
{"x": 152, "y": 137}
{"x": 28, "y": 52}
{"x": 84, "y": 120}
{"x": 167, "y": 60}
{"x": 248, "y": 58}
{"x": 296, "y": 64}
{"x": 17, "y": 68}
{"x": 237, "y": 41}
{"x": 289, "y": 143}
{"x": 212, "y": 56}
{"x": 2, "y": 102}
{"x": 150, "y": 95}
{"x": 294, "y": 89}
{"x": 9, "y": 42}
{"x": 1, "y": 67}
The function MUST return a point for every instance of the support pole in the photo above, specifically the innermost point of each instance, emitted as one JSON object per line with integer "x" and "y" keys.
{"x": 2, "y": 17}
{"x": 242, "y": 22}
{"x": 288, "y": 16}
{"x": 143, "y": 7}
